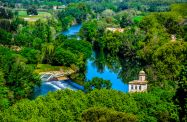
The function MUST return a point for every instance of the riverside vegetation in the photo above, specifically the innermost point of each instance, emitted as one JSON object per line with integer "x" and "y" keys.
{"x": 146, "y": 43}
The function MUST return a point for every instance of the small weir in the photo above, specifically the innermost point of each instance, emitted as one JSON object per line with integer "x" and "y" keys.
{"x": 59, "y": 84}
{"x": 55, "y": 86}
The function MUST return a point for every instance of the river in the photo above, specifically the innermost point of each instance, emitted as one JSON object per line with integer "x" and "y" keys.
{"x": 107, "y": 74}
{"x": 92, "y": 71}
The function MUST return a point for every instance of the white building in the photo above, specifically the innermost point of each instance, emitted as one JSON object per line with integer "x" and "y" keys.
{"x": 139, "y": 85}
{"x": 59, "y": 7}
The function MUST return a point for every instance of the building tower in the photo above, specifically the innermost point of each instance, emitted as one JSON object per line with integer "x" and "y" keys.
{"x": 139, "y": 85}
{"x": 142, "y": 76}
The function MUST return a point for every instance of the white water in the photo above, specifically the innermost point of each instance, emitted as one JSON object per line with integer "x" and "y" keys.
{"x": 59, "y": 84}
{"x": 54, "y": 86}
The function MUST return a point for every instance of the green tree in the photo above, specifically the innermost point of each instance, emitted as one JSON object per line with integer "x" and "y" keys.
{"x": 111, "y": 42}
{"x": 78, "y": 11}
{"x": 89, "y": 31}
{"x": 108, "y": 13}
{"x": 32, "y": 11}
{"x": 66, "y": 22}
{"x": 78, "y": 46}
{"x": 16, "y": 22}
{"x": 64, "y": 57}
{"x": 5, "y": 37}
{"x": 22, "y": 81}
{"x": 42, "y": 31}
{"x": 22, "y": 39}
{"x": 31, "y": 55}
{"x": 179, "y": 8}
{"x": 68, "y": 105}
{"x": 47, "y": 53}
{"x": 126, "y": 21}
{"x": 5, "y": 24}
{"x": 37, "y": 43}
{"x": 106, "y": 115}
{"x": 4, "y": 102}
{"x": 168, "y": 59}
{"x": 17, "y": 79}
{"x": 97, "y": 83}
{"x": 5, "y": 13}
{"x": 181, "y": 94}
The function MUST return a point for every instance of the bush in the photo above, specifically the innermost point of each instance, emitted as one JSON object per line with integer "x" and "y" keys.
{"x": 32, "y": 11}
{"x": 106, "y": 115}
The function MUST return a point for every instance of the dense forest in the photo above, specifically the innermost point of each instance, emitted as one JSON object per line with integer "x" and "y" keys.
{"x": 153, "y": 38}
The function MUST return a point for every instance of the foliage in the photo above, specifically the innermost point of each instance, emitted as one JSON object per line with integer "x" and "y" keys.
{"x": 5, "y": 24}
{"x": 67, "y": 105}
{"x": 32, "y": 11}
{"x": 78, "y": 46}
{"x": 64, "y": 57}
{"x": 146, "y": 43}
{"x": 97, "y": 83}
{"x": 103, "y": 114}
{"x": 17, "y": 79}
{"x": 16, "y": 22}
{"x": 47, "y": 67}
{"x": 4, "y": 102}
{"x": 111, "y": 42}
{"x": 73, "y": 11}
{"x": 180, "y": 8}
{"x": 42, "y": 30}
{"x": 89, "y": 30}
{"x": 169, "y": 58}
{"x": 47, "y": 53}
{"x": 5, "y": 13}
{"x": 22, "y": 39}
{"x": 167, "y": 54}
{"x": 137, "y": 19}
{"x": 107, "y": 13}
{"x": 5, "y": 37}
{"x": 31, "y": 55}
{"x": 181, "y": 94}
{"x": 126, "y": 20}
{"x": 68, "y": 20}
{"x": 169, "y": 20}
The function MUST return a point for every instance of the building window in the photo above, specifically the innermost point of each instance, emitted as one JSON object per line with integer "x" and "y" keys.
{"x": 135, "y": 87}
{"x": 131, "y": 86}
{"x": 140, "y": 87}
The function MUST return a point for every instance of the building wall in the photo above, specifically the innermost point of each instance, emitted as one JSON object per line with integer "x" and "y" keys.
{"x": 144, "y": 87}
{"x": 137, "y": 88}
{"x": 141, "y": 78}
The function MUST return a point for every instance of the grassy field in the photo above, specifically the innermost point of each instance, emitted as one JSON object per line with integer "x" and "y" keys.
{"x": 46, "y": 67}
{"x": 137, "y": 18}
{"x": 33, "y": 18}
{"x": 22, "y": 13}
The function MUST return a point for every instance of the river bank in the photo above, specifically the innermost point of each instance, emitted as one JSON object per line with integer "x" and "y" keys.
{"x": 92, "y": 70}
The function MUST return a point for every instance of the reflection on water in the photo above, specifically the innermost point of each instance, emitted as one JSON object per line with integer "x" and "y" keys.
{"x": 104, "y": 66}
{"x": 43, "y": 90}
{"x": 118, "y": 71}
{"x": 106, "y": 74}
